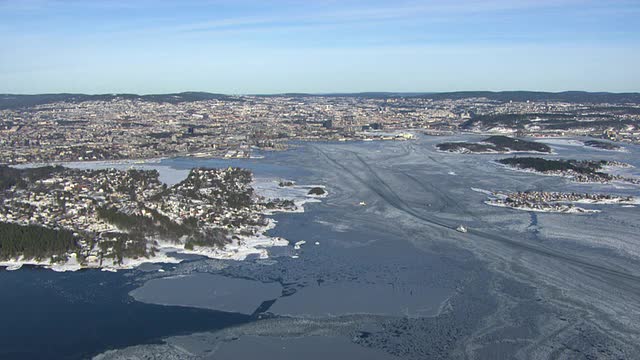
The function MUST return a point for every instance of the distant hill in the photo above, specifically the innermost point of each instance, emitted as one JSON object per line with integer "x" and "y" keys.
{"x": 364, "y": 95}
{"x": 568, "y": 96}
{"x": 11, "y": 101}
{"x": 505, "y": 96}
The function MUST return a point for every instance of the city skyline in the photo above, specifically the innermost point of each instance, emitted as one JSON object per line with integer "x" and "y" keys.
{"x": 252, "y": 47}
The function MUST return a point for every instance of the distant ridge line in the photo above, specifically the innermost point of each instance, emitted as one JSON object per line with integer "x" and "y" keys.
{"x": 9, "y": 101}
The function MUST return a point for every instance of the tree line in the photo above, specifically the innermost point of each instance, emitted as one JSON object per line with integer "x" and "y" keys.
{"x": 34, "y": 242}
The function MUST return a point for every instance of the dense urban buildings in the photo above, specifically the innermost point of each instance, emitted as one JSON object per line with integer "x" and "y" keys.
{"x": 80, "y": 127}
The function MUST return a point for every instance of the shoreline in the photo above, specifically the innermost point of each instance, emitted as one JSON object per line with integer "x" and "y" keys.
{"x": 563, "y": 210}
{"x": 238, "y": 249}
{"x": 626, "y": 181}
{"x": 494, "y": 152}
{"x": 561, "y": 206}
{"x": 143, "y": 161}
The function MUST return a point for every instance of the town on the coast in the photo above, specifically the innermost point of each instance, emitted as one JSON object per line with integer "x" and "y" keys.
{"x": 118, "y": 218}
{"x": 68, "y": 127}
{"x": 555, "y": 202}
{"x": 69, "y": 218}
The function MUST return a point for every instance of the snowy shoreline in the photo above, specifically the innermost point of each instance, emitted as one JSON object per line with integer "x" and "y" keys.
{"x": 559, "y": 210}
{"x": 89, "y": 163}
{"x": 572, "y": 177}
{"x": 567, "y": 141}
{"x": 238, "y": 249}
{"x": 567, "y": 206}
{"x": 510, "y": 152}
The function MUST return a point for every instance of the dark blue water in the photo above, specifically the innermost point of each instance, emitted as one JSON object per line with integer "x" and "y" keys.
{"x": 49, "y": 315}
{"x": 75, "y": 315}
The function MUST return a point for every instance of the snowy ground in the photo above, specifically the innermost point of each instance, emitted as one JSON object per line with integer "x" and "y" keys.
{"x": 238, "y": 249}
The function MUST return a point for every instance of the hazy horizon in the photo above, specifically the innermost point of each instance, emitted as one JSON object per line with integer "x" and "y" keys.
{"x": 322, "y": 93}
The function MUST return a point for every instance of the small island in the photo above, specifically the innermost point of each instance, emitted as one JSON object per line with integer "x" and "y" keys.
{"x": 70, "y": 218}
{"x": 602, "y": 145}
{"x": 317, "y": 191}
{"x": 555, "y": 202}
{"x": 494, "y": 144}
{"x": 583, "y": 171}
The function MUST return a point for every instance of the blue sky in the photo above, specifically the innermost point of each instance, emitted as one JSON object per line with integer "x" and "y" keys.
{"x": 251, "y": 46}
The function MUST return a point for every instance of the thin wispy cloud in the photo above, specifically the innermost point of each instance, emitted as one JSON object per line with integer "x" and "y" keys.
{"x": 424, "y": 11}
{"x": 300, "y": 17}
{"x": 296, "y": 14}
